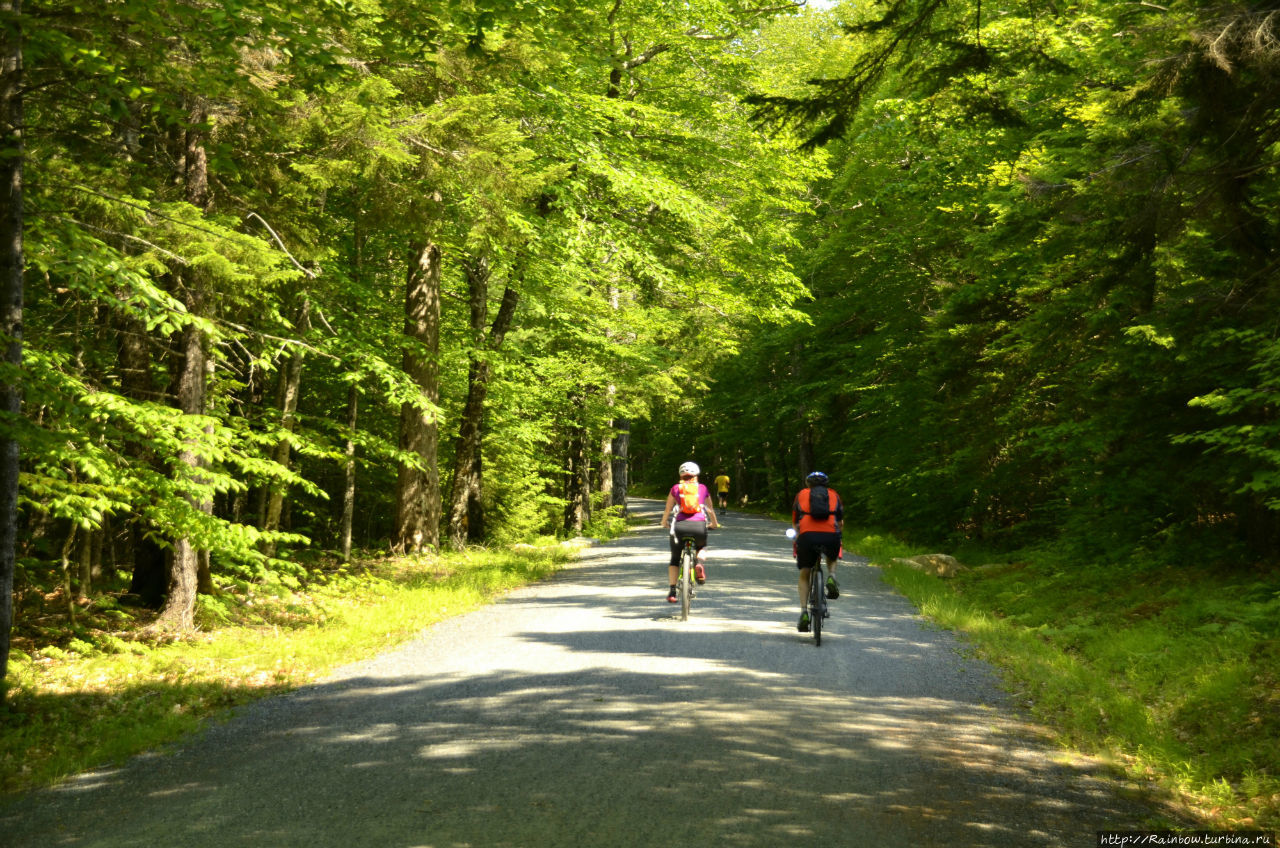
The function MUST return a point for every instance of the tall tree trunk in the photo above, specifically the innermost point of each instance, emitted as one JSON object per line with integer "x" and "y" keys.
{"x": 11, "y": 293}
{"x": 577, "y": 507}
{"x": 743, "y": 486}
{"x": 84, "y": 570}
{"x": 804, "y": 452}
{"x": 68, "y": 591}
{"x": 476, "y": 529}
{"x": 204, "y": 572}
{"x": 349, "y": 484}
{"x": 178, "y": 613}
{"x": 604, "y": 485}
{"x": 466, "y": 510}
{"x": 359, "y": 240}
{"x": 146, "y": 557}
{"x": 620, "y": 459}
{"x": 465, "y": 484}
{"x": 608, "y": 495}
{"x": 249, "y": 397}
{"x": 99, "y": 568}
{"x": 287, "y": 398}
{"x": 418, "y": 488}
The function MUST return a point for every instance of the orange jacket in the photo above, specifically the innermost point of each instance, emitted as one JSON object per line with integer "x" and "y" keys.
{"x": 806, "y": 523}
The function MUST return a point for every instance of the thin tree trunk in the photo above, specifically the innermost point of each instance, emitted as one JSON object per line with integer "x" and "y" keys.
{"x": 11, "y": 293}
{"x": 84, "y": 581}
{"x": 418, "y": 487}
{"x": 773, "y": 481}
{"x": 68, "y": 590}
{"x": 349, "y": 486}
{"x": 290, "y": 384}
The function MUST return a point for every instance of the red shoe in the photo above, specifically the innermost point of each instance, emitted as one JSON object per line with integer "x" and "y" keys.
{"x": 700, "y": 573}
{"x": 671, "y": 596}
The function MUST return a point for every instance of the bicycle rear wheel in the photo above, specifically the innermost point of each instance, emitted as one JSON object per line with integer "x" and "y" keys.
{"x": 686, "y": 582}
{"x": 817, "y": 603}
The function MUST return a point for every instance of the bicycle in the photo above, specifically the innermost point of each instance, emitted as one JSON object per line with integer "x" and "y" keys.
{"x": 817, "y": 593}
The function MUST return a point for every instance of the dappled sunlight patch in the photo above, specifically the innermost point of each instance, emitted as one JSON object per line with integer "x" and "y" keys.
{"x": 97, "y": 779}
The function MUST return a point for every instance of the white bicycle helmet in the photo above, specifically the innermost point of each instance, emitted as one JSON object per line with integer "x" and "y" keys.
{"x": 690, "y": 468}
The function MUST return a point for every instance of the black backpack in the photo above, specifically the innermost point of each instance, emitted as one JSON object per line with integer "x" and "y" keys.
{"x": 819, "y": 503}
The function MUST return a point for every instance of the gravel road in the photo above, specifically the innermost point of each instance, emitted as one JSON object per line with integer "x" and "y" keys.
{"x": 581, "y": 712}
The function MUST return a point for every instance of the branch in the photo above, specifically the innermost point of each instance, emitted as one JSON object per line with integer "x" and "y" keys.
{"x": 698, "y": 33}
{"x": 431, "y": 148}
{"x": 646, "y": 56}
{"x": 325, "y": 321}
{"x": 147, "y": 209}
{"x": 769, "y": 10}
{"x": 837, "y": 99}
{"x": 284, "y": 341}
{"x": 107, "y": 232}
{"x": 281, "y": 243}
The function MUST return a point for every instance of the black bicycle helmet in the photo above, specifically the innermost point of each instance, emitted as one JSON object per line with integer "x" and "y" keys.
{"x": 817, "y": 478}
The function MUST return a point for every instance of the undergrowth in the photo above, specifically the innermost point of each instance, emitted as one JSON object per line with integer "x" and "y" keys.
{"x": 1173, "y": 672}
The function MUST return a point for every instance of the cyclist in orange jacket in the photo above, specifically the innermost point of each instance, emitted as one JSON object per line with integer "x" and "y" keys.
{"x": 817, "y": 514}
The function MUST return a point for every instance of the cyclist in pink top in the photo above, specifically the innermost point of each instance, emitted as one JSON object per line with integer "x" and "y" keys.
{"x": 691, "y": 521}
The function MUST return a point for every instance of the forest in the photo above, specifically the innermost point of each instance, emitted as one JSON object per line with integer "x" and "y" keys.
{"x": 284, "y": 279}
{"x": 1040, "y": 282}
{"x": 287, "y": 278}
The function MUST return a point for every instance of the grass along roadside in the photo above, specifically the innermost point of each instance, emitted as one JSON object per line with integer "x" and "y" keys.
{"x": 102, "y": 695}
{"x": 1172, "y": 673}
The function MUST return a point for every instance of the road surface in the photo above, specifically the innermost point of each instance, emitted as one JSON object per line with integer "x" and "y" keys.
{"x": 582, "y": 712}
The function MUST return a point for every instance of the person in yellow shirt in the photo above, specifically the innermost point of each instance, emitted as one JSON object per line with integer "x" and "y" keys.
{"x": 722, "y": 491}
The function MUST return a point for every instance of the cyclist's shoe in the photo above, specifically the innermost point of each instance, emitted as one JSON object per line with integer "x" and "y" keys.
{"x": 700, "y": 573}
{"x": 671, "y": 596}
{"x": 833, "y": 589}
{"x": 803, "y": 626}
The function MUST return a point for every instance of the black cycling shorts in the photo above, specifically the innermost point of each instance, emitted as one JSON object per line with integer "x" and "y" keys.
{"x": 697, "y": 530}
{"x": 808, "y": 545}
